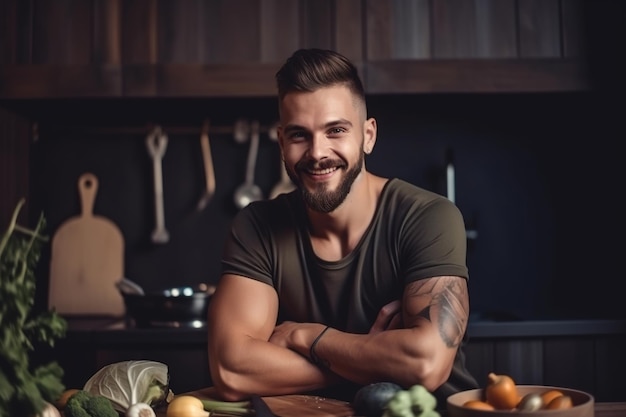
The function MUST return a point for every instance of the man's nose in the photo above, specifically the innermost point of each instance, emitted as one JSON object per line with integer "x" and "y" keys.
{"x": 318, "y": 147}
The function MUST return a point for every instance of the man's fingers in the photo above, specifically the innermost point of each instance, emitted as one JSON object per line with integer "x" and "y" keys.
{"x": 396, "y": 322}
{"x": 388, "y": 317}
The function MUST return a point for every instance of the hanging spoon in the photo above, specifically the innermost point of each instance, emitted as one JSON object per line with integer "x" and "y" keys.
{"x": 156, "y": 143}
{"x": 248, "y": 192}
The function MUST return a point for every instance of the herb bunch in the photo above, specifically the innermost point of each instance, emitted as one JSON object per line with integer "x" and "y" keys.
{"x": 25, "y": 389}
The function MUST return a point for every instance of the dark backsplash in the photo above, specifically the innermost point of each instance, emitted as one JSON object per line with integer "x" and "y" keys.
{"x": 536, "y": 178}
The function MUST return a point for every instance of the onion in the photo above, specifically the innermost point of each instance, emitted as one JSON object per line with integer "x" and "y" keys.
{"x": 140, "y": 410}
{"x": 186, "y": 406}
{"x": 49, "y": 411}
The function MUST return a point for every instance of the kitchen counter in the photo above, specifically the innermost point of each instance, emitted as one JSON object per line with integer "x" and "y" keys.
{"x": 312, "y": 406}
{"x": 113, "y": 331}
{"x": 538, "y": 352}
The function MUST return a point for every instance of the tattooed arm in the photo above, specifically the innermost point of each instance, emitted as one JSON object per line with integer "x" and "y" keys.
{"x": 421, "y": 349}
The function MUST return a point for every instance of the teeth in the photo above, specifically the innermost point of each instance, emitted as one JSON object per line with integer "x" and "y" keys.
{"x": 322, "y": 171}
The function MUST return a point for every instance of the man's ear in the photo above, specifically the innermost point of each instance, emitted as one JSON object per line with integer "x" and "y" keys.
{"x": 369, "y": 135}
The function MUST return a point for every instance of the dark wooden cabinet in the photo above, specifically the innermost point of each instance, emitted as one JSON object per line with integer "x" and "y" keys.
{"x": 159, "y": 48}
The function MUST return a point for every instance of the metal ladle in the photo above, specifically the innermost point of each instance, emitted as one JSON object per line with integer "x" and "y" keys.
{"x": 284, "y": 185}
{"x": 248, "y": 192}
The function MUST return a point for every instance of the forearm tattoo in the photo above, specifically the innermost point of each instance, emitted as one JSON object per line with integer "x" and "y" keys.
{"x": 447, "y": 306}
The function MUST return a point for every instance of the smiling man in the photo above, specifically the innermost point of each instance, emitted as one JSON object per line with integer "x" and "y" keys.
{"x": 348, "y": 280}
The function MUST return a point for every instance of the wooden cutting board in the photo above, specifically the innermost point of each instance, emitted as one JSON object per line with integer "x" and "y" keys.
{"x": 87, "y": 259}
{"x": 291, "y": 405}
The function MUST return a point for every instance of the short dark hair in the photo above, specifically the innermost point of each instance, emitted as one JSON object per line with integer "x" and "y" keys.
{"x": 307, "y": 70}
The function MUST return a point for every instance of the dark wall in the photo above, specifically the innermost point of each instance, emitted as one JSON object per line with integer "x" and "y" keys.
{"x": 537, "y": 179}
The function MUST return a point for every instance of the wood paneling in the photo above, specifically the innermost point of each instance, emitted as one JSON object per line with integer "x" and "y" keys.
{"x": 139, "y": 32}
{"x": 60, "y": 81}
{"x": 379, "y": 38}
{"x": 521, "y": 359}
{"x": 479, "y": 359}
{"x": 349, "y": 29}
{"x": 610, "y": 368}
{"x": 408, "y": 46}
{"x": 477, "y": 75}
{"x": 279, "y": 29}
{"x": 8, "y": 33}
{"x": 232, "y": 31}
{"x": 216, "y": 81}
{"x": 62, "y": 32}
{"x": 397, "y": 29}
{"x": 570, "y": 362}
{"x": 539, "y": 26}
{"x": 316, "y": 24}
{"x": 474, "y": 29}
{"x": 591, "y": 363}
{"x": 573, "y": 29}
{"x": 107, "y": 32}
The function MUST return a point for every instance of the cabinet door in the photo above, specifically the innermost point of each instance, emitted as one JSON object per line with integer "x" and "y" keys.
{"x": 469, "y": 29}
{"x": 236, "y": 31}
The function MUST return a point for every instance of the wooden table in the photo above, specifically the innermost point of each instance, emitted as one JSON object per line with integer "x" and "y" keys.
{"x": 312, "y": 406}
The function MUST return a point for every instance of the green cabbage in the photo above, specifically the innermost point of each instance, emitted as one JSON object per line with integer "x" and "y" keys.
{"x": 130, "y": 382}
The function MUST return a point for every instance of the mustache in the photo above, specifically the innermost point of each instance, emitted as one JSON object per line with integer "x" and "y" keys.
{"x": 306, "y": 165}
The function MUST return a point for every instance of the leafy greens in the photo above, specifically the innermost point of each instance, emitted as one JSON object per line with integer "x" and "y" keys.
{"x": 24, "y": 390}
{"x": 130, "y": 382}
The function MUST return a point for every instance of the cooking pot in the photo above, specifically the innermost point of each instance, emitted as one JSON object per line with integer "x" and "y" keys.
{"x": 172, "y": 307}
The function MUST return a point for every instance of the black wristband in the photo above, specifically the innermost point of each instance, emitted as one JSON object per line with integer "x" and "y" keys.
{"x": 316, "y": 360}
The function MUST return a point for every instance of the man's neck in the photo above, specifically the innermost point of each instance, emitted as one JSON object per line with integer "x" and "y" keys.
{"x": 334, "y": 235}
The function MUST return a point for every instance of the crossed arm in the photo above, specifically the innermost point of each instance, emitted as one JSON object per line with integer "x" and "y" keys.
{"x": 412, "y": 341}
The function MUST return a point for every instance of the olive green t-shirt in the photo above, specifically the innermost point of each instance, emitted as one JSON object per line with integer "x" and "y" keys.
{"x": 414, "y": 234}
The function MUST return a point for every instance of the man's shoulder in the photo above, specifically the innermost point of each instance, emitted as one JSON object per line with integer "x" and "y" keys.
{"x": 280, "y": 209}
{"x": 399, "y": 189}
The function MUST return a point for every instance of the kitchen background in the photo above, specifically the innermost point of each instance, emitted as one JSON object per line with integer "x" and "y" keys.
{"x": 536, "y": 186}
{"x": 524, "y": 97}
{"x": 522, "y": 94}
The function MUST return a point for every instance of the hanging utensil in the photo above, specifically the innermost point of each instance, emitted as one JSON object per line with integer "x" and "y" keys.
{"x": 248, "y": 192}
{"x": 241, "y": 130}
{"x": 156, "y": 142}
{"x": 284, "y": 185}
{"x": 209, "y": 172}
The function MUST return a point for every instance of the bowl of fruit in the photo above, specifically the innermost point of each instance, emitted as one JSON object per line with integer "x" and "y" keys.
{"x": 503, "y": 397}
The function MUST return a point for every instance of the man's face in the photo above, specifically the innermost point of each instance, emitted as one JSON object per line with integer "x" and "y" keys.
{"x": 321, "y": 137}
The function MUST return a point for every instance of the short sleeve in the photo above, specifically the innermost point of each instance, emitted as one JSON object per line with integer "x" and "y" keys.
{"x": 433, "y": 241}
{"x": 247, "y": 249}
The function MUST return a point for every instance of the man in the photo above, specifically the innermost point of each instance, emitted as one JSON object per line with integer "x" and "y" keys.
{"x": 350, "y": 279}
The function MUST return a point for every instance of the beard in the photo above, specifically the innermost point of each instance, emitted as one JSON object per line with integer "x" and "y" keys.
{"x": 321, "y": 199}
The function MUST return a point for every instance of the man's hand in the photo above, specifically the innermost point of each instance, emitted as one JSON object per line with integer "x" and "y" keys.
{"x": 389, "y": 317}
{"x": 282, "y": 333}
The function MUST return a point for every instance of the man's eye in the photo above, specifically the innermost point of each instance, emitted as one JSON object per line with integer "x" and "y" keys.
{"x": 336, "y": 131}
{"x": 297, "y": 136}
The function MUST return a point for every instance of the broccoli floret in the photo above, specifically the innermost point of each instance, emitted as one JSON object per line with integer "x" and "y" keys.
{"x": 75, "y": 406}
{"x": 99, "y": 406}
{"x": 83, "y": 404}
{"x": 417, "y": 401}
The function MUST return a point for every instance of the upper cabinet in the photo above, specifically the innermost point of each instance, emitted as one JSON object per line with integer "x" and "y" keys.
{"x": 230, "y": 48}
